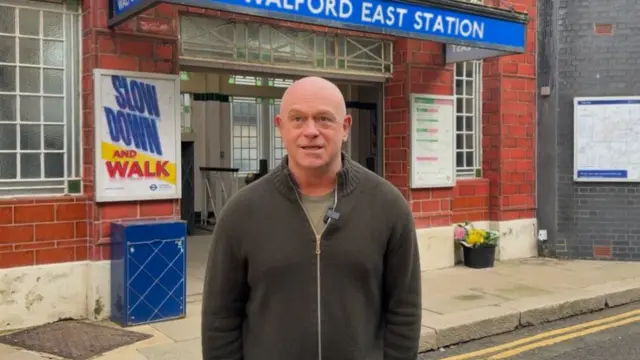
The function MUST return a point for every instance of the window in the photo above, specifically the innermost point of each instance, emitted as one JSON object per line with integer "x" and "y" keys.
{"x": 277, "y": 147}
{"x": 209, "y": 39}
{"x": 468, "y": 95}
{"x": 40, "y": 119}
{"x": 267, "y": 132}
{"x": 245, "y": 130}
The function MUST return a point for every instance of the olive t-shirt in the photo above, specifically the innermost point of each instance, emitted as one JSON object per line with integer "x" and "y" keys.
{"x": 316, "y": 208}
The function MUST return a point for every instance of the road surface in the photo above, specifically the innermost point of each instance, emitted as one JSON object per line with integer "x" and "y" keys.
{"x": 612, "y": 334}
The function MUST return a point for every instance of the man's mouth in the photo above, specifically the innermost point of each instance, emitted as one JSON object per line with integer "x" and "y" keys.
{"x": 312, "y": 148}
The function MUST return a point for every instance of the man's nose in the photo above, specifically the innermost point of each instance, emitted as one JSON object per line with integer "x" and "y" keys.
{"x": 310, "y": 128}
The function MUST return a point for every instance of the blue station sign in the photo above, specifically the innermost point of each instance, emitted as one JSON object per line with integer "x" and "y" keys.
{"x": 446, "y": 21}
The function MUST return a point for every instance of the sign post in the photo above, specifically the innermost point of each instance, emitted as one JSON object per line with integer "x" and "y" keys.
{"x": 137, "y": 136}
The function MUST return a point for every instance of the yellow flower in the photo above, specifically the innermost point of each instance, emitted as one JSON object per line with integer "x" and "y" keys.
{"x": 476, "y": 237}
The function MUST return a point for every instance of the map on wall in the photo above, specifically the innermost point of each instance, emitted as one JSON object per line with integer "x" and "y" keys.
{"x": 432, "y": 141}
{"x": 606, "y": 139}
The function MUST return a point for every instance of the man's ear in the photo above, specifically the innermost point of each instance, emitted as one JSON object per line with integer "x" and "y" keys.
{"x": 277, "y": 121}
{"x": 347, "y": 126}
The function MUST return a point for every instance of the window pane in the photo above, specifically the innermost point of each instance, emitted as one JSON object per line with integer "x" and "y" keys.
{"x": 469, "y": 159}
{"x": 459, "y": 69}
{"x": 29, "y": 22}
{"x": 7, "y": 78}
{"x": 30, "y": 108}
{"x": 53, "y": 165}
{"x": 468, "y": 69}
{"x": 30, "y": 165}
{"x": 468, "y": 105}
{"x": 7, "y": 49}
{"x": 459, "y": 141}
{"x": 54, "y": 137}
{"x": 52, "y": 82}
{"x": 8, "y": 166}
{"x": 8, "y": 137}
{"x": 459, "y": 87}
{"x": 8, "y": 108}
{"x": 7, "y": 20}
{"x": 468, "y": 87}
{"x": 29, "y": 51}
{"x": 53, "y": 53}
{"x": 30, "y": 137}
{"x": 459, "y": 159}
{"x": 468, "y": 142}
{"x": 52, "y": 25}
{"x": 30, "y": 80}
{"x": 468, "y": 123}
{"x": 459, "y": 123}
{"x": 54, "y": 109}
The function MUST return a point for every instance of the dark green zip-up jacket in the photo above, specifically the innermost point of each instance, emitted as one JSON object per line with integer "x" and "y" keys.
{"x": 269, "y": 294}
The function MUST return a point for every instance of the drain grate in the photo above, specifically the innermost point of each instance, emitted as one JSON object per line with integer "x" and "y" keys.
{"x": 73, "y": 340}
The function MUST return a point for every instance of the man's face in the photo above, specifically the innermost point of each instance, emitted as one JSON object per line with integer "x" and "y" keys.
{"x": 313, "y": 126}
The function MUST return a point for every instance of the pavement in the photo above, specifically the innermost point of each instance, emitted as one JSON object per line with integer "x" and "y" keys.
{"x": 610, "y": 334}
{"x": 459, "y": 304}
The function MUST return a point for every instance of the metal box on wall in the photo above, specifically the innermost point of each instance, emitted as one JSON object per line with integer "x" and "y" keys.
{"x": 148, "y": 271}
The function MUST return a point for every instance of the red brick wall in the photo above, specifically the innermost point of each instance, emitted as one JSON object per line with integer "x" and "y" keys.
{"x": 43, "y": 231}
{"x": 509, "y": 126}
{"x": 507, "y": 190}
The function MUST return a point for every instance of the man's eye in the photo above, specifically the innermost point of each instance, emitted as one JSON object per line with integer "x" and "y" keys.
{"x": 324, "y": 118}
{"x": 297, "y": 118}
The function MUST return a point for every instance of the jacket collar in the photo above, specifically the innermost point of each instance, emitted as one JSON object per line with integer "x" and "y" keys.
{"x": 348, "y": 177}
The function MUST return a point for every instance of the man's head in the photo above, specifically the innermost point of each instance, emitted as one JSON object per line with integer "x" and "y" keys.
{"x": 313, "y": 124}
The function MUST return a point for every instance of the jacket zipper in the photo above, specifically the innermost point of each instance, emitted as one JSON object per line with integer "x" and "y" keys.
{"x": 318, "y": 236}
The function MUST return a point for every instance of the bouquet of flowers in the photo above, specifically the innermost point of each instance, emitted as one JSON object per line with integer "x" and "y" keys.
{"x": 467, "y": 235}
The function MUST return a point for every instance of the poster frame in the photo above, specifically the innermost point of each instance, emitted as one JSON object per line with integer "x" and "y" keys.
{"x": 612, "y": 175}
{"x": 413, "y": 182}
{"x": 100, "y": 196}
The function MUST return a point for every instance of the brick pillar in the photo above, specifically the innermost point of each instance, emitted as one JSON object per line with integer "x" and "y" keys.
{"x": 509, "y": 113}
{"x": 418, "y": 67}
{"x": 147, "y": 43}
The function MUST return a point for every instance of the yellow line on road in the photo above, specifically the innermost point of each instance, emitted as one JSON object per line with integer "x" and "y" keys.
{"x": 558, "y": 339}
{"x": 543, "y": 335}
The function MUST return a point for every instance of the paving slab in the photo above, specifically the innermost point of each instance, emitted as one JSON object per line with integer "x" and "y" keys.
{"x": 181, "y": 330}
{"x": 187, "y": 350}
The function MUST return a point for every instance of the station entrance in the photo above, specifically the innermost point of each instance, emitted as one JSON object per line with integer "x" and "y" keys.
{"x": 233, "y": 75}
{"x": 229, "y": 104}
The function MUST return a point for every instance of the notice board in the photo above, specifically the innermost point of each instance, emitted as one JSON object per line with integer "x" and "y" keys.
{"x": 606, "y": 145}
{"x": 432, "y": 141}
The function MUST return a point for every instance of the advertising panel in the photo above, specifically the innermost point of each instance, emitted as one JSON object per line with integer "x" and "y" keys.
{"x": 137, "y": 136}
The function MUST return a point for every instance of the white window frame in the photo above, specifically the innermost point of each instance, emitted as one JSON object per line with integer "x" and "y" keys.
{"x": 259, "y": 131}
{"x": 72, "y": 108}
{"x": 474, "y": 171}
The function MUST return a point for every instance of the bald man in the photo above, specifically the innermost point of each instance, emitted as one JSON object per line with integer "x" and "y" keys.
{"x": 317, "y": 260}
